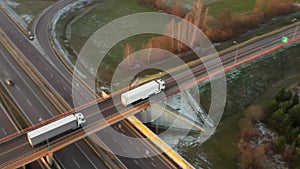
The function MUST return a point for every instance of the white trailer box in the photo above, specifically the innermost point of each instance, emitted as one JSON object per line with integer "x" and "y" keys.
{"x": 55, "y": 128}
{"x": 142, "y": 92}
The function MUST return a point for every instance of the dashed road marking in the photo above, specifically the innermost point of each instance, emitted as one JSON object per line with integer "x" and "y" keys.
{"x": 30, "y": 104}
{"x": 137, "y": 148}
{"x": 17, "y": 87}
{"x": 76, "y": 163}
{"x": 153, "y": 164}
{"x": 3, "y": 130}
{"x": 125, "y": 151}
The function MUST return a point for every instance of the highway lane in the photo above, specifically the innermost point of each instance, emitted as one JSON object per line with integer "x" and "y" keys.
{"x": 133, "y": 152}
{"x": 7, "y": 126}
{"x": 254, "y": 52}
{"x": 63, "y": 86}
{"x": 25, "y": 93}
{"x": 59, "y": 82}
{"x": 36, "y": 106}
{"x": 69, "y": 157}
{"x": 42, "y": 32}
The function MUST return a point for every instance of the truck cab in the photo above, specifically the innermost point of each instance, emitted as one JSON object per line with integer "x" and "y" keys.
{"x": 162, "y": 84}
{"x": 80, "y": 119}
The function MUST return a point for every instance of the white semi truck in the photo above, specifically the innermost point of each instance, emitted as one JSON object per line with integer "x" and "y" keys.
{"x": 143, "y": 91}
{"x": 55, "y": 128}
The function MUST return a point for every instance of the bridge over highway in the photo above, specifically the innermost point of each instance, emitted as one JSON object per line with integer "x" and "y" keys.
{"x": 15, "y": 150}
{"x": 111, "y": 115}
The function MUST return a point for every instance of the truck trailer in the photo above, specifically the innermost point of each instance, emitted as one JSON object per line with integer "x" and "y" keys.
{"x": 55, "y": 128}
{"x": 142, "y": 92}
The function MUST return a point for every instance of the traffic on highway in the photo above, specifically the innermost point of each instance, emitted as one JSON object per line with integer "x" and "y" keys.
{"x": 43, "y": 127}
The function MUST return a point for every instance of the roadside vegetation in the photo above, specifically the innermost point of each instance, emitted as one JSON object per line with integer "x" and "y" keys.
{"x": 226, "y": 25}
{"x": 29, "y": 9}
{"x": 282, "y": 116}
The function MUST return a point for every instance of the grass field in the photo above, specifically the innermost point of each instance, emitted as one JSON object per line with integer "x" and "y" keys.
{"x": 254, "y": 84}
{"x": 235, "y": 6}
{"x": 31, "y": 7}
{"x": 103, "y": 13}
{"x": 106, "y": 11}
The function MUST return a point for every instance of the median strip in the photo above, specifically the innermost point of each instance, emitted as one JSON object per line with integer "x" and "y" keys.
{"x": 50, "y": 93}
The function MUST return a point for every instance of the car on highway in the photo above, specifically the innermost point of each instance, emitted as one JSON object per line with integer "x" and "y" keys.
{"x": 30, "y": 36}
{"x": 9, "y": 82}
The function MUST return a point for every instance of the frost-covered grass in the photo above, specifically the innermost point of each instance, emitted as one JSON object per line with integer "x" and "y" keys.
{"x": 103, "y": 13}
{"x": 29, "y": 9}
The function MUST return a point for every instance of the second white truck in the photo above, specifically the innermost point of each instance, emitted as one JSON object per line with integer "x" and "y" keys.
{"x": 143, "y": 91}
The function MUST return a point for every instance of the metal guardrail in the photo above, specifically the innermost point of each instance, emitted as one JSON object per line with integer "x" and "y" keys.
{"x": 45, "y": 87}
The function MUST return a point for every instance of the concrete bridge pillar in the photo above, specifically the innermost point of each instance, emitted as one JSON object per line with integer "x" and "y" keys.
{"x": 49, "y": 158}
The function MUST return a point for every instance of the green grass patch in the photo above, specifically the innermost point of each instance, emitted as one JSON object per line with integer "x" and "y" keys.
{"x": 235, "y": 6}
{"x": 256, "y": 82}
{"x": 103, "y": 13}
{"x": 32, "y": 7}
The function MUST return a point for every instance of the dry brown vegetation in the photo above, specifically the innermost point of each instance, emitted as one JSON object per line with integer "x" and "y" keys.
{"x": 223, "y": 27}
{"x": 251, "y": 155}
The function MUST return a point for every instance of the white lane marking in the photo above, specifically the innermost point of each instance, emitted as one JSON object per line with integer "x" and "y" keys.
{"x": 30, "y": 104}
{"x": 17, "y": 87}
{"x": 9, "y": 118}
{"x": 137, "y": 148}
{"x": 147, "y": 147}
{"x": 29, "y": 87}
{"x": 6, "y": 73}
{"x": 64, "y": 88}
{"x": 76, "y": 163}
{"x": 114, "y": 140}
{"x": 41, "y": 165}
{"x": 3, "y": 130}
{"x": 125, "y": 151}
{"x": 136, "y": 162}
{"x": 13, "y": 149}
{"x": 60, "y": 162}
{"x": 86, "y": 156}
{"x": 122, "y": 129}
{"x": 153, "y": 164}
